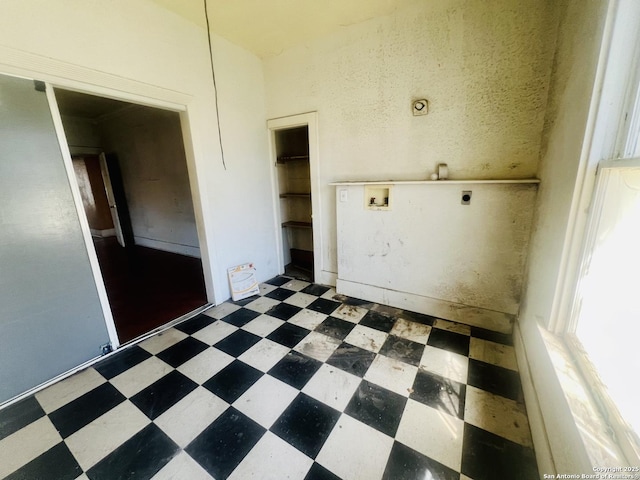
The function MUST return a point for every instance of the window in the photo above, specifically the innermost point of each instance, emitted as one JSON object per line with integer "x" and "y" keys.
{"x": 605, "y": 313}
{"x": 608, "y": 308}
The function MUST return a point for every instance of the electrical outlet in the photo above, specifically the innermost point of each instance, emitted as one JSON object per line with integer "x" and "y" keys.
{"x": 466, "y": 197}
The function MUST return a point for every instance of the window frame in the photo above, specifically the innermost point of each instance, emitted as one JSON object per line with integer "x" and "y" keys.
{"x": 614, "y": 120}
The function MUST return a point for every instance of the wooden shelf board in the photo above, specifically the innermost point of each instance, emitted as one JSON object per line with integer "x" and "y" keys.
{"x": 293, "y": 224}
{"x": 292, "y": 158}
{"x": 295, "y": 195}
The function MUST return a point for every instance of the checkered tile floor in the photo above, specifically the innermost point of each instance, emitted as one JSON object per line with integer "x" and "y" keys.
{"x": 296, "y": 383}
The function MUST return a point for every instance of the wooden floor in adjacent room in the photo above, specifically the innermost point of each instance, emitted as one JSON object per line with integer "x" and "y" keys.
{"x": 148, "y": 288}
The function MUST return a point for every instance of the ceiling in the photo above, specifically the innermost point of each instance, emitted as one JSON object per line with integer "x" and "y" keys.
{"x": 264, "y": 27}
{"x": 81, "y": 105}
{"x": 267, "y": 27}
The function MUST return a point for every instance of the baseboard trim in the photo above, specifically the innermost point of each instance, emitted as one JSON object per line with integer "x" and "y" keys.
{"x": 168, "y": 246}
{"x": 327, "y": 278}
{"x": 474, "y": 316}
{"x": 539, "y": 435}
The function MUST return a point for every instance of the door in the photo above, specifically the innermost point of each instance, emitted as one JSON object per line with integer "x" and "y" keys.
{"x": 118, "y": 199}
{"x": 51, "y": 318}
{"x": 113, "y": 208}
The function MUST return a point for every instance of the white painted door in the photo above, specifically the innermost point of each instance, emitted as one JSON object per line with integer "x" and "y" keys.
{"x": 113, "y": 208}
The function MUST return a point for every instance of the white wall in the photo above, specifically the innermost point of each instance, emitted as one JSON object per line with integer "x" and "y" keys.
{"x": 81, "y": 134}
{"x": 138, "y": 51}
{"x": 149, "y": 146}
{"x": 579, "y": 41}
{"x": 484, "y": 66}
{"x": 242, "y": 194}
{"x": 431, "y": 254}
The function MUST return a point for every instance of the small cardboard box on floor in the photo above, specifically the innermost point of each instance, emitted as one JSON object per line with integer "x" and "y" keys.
{"x": 242, "y": 281}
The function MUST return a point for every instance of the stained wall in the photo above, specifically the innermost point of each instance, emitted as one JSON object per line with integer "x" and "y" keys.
{"x": 484, "y": 66}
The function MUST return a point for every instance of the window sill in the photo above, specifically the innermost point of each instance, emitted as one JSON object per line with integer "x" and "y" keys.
{"x": 599, "y": 425}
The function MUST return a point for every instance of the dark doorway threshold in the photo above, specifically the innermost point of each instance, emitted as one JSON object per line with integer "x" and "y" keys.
{"x": 148, "y": 288}
{"x": 298, "y": 272}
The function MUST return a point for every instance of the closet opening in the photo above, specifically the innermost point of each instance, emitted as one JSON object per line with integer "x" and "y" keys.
{"x": 294, "y": 191}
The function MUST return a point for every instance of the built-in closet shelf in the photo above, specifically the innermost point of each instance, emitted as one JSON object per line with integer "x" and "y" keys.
{"x": 292, "y": 224}
{"x": 295, "y": 195}
{"x": 292, "y": 158}
{"x": 293, "y": 175}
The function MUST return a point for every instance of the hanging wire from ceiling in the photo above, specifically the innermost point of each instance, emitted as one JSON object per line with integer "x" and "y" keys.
{"x": 215, "y": 87}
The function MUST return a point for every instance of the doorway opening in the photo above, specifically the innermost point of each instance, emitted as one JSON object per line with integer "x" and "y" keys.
{"x": 130, "y": 166}
{"x": 294, "y": 192}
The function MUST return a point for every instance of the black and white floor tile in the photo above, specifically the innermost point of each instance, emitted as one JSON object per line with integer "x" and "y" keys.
{"x": 296, "y": 383}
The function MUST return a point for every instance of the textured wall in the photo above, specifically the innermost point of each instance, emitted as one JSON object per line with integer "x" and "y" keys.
{"x": 564, "y": 132}
{"x": 574, "y": 69}
{"x": 484, "y": 66}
